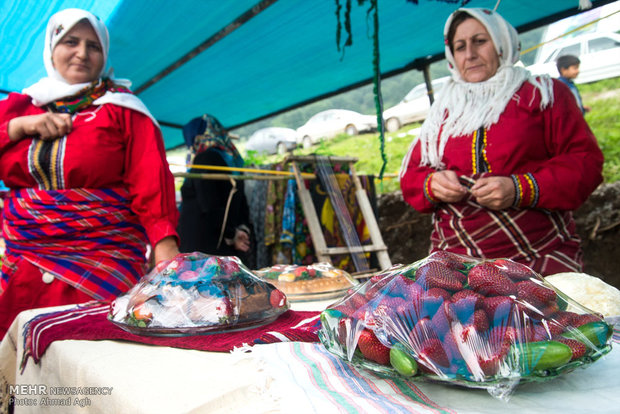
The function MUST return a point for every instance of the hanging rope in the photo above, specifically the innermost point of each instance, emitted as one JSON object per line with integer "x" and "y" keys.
{"x": 377, "y": 87}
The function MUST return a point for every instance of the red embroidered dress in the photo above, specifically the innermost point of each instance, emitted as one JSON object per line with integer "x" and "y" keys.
{"x": 84, "y": 206}
{"x": 555, "y": 163}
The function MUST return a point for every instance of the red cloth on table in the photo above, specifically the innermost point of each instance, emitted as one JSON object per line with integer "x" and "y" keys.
{"x": 89, "y": 322}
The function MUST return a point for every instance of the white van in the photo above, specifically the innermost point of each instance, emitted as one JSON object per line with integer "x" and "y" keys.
{"x": 414, "y": 106}
{"x": 599, "y": 53}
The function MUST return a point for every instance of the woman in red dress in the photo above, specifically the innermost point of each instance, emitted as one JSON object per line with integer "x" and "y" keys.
{"x": 503, "y": 157}
{"x": 90, "y": 185}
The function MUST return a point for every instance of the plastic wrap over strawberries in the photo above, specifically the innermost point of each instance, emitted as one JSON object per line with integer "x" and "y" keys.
{"x": 451, "y": 318}
{"x": 196, "y": 293}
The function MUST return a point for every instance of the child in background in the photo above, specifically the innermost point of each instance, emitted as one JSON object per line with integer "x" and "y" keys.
{"x": 568, "y": 67}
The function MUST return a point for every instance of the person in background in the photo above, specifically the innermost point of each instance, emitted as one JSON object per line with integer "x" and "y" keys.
{"x": 503, "y": 157}
{"x": 89, "y": 183}
{"x": 568, "y": 68}
{"x": 215, "y": 218}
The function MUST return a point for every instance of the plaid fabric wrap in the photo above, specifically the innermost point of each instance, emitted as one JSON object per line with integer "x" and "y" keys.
{"x": 544, "y": 240}
{"x": 85, "y": 237}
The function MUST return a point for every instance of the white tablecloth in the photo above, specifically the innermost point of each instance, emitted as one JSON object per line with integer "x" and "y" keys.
{"x": 135, "y": 378}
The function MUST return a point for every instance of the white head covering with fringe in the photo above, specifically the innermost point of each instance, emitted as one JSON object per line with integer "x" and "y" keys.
{"x": 55, "y": 87}
{"x": 463, "y": 107}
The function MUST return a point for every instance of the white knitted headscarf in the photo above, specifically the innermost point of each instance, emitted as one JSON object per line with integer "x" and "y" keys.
{"x": 463, "y": 107}
{"x": 54, "y": 86}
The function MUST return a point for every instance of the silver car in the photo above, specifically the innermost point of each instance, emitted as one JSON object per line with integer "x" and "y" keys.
{"x": 332, "y": 122}
{"x": 272, "y": 140}
{"x": 599, "y": 53}
{"x": 414, "y": 106}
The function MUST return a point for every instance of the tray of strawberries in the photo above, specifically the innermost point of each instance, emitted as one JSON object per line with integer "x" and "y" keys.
{"x": 454, "y": 319}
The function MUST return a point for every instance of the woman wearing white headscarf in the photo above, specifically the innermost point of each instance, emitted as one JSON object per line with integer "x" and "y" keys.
{"x": 90, "y": 185}
{"x": 503, "y": 157}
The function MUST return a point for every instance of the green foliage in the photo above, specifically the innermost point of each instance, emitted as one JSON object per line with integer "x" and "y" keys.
{"x": 603, "y": 98}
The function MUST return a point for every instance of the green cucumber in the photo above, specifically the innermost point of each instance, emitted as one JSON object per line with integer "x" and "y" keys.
{"x": 562, "y": 303}
{"x": 403, "y": 363}
{"x": 596, "y": 333}
{"x": 538, "y": 356}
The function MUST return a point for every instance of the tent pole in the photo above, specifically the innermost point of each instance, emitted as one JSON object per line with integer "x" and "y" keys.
{"x": 429, "y": 85}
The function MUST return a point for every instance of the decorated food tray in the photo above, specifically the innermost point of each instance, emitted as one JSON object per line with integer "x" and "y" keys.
{"x": 313, "y": 282}
{"x": 453, "y": 319}
{"x": 196, "y": 293}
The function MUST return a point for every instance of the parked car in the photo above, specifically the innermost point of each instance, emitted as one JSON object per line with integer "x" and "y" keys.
{"x": 599, "y": 53}
{"x": 332, "y": 122}
{"x": 272, "y": 140}
{"x": 414, "y": 106}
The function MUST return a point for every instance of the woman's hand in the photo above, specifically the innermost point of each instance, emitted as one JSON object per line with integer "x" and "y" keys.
{"x": 46, "y": 126}
{"x": 241, "y": 240}
{"x": 165, "y": 249}
{"x": 495, "y": 193}
{"x": 446, "y": 187}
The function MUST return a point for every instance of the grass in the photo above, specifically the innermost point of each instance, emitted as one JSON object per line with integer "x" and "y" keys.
{"x": 602, "y": 97}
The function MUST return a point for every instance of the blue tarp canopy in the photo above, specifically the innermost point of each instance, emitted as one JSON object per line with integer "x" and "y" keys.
{"x": 244, "y": 60}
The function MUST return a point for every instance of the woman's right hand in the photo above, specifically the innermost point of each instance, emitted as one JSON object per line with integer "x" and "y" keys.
{"x": 45, "y": 126}
{"x": 446, "y": 187}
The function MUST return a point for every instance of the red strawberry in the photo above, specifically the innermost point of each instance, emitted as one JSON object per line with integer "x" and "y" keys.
{"x": 535, "y": 292}
{"x": 490, "y": 365}
{"x": 501, "y": 337}
{"x": 546, "y": 330}
{"x": 489, "y": 281}
{"x": 468, "y": 294}
{"x": 564, "y": 318}
{"x": 583, "y": 319}
{"x": 435, "y": 274}
{"x": 432, "y": 356}
{"x": 388, "y": 308}
{"x": 372, "y": 348}
{"x": 464, "y": 303}
{"x": 423, "y": 331}
{"x": 432, "y": 300}
{"x": 343, "y": 330}
{"x": 277, "y": 299}
{"x": 451, "y": 347}
{"x": 437, "y": 293}
{"x": 498, "y": 308}
{"x": 379, "y": 277}
{"x": 441, "y": 319}
{"x": 357, "y": 300}
{"x": 515, "y": 271}
{"x": 550, "y": 310}
{"x": 480, "y": 320}
{"x": 377, "y": 282}
{"x": 345, "y": 308}
{"x": 476, "y": 324}
{"x": 578, "y": 348}
{"x": 406, "y": 289}
{"x": 529, "y": 309}
{"x": 451, "y": 260}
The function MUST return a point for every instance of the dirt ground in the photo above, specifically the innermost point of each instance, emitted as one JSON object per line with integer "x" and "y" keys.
{"x": 406, "y": 232}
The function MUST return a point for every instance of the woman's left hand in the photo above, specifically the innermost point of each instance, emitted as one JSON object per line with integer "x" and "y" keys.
{"x": 495, "y": 193}
{"x": 165, "y": 249}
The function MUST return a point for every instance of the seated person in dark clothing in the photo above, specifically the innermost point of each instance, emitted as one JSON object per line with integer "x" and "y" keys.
{"x": 214, "y": 213}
